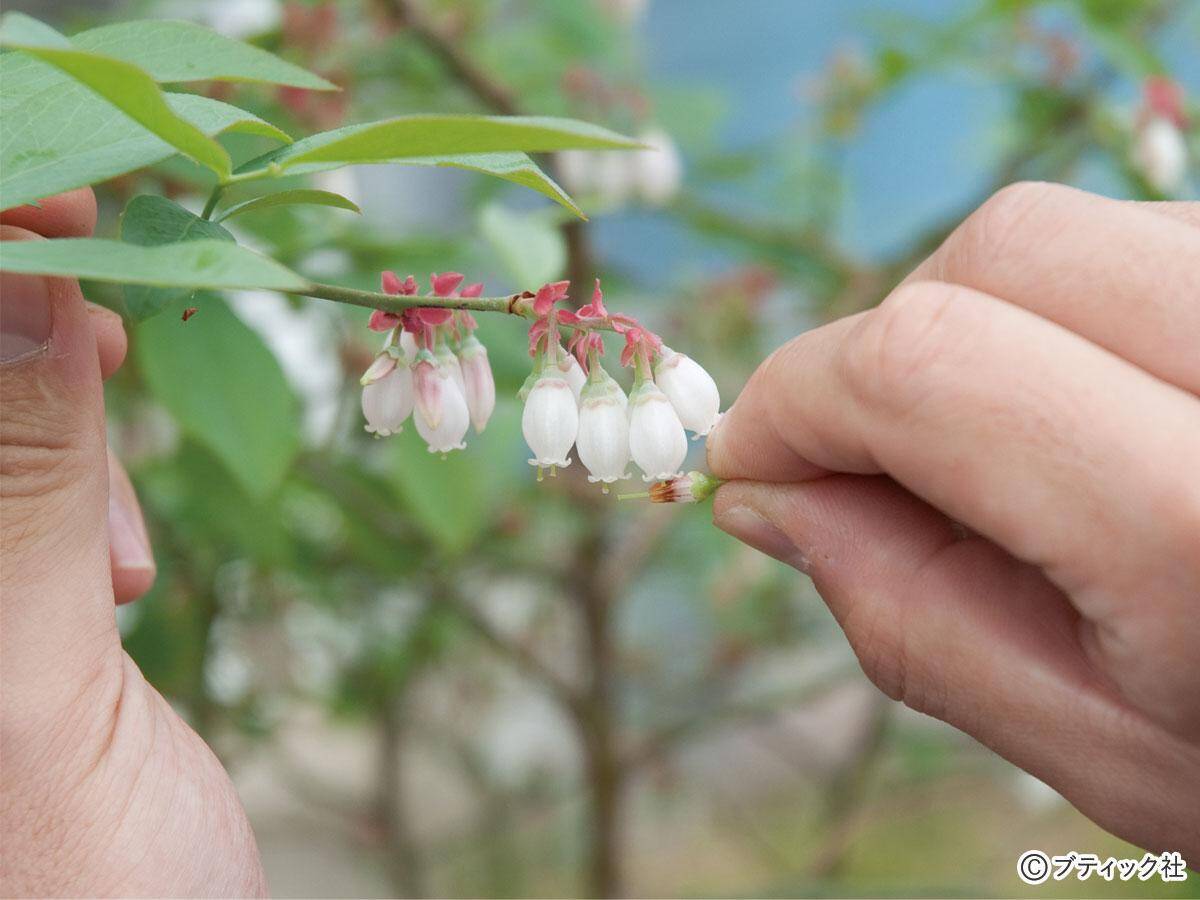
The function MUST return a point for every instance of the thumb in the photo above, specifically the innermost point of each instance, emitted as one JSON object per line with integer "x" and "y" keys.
{"x": 57, "y": 625}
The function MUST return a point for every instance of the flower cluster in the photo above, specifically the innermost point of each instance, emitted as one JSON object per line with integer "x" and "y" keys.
{"x": 571, "y": 400}
{"x": 431, "y": 367}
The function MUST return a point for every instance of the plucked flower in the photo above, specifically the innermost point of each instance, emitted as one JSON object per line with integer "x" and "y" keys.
{"x": 387, "y": 397}
{"x": 690, "y": 389}
{"x": 657, "y": 441}
{"x": 550, "y": 420}
{"x": 657, "y": 172}
{"x": 690, "y": 488}
{"x": 603, "y": 439}
{"x": 480, "y": 386}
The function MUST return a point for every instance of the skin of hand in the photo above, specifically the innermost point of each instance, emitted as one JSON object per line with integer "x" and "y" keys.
{"x": 993, "y": 480}
{"x": 104, "y": 790}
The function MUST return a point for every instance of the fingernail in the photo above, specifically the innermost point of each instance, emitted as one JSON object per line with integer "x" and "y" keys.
{"x": 751, "y": 528}
{"x": 128, "y": 542}
{"x": 24, "y": 316}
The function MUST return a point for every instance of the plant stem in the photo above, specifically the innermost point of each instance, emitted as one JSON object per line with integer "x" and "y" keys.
{"x": 513, "y": 304}
{"x": 213, "y": 198}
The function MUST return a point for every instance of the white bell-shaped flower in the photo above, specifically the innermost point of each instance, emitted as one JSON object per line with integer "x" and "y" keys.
{"x": 657, "y": 441}
{"x": 479, "y": 382}
{"x": 603, "y": 439}
{"x": 452, "y": 421}
{"x": 690, "y": 389}
{"x": 550, "y": 420}
{"x": 1160, "y": 154}
{"x": 388, "y": 396}
{"x": 568, "y": 366}
{"x": 658, "y": 172}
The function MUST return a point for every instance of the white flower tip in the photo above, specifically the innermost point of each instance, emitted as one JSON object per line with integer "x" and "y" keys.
{"x": 608, "y": 479}
{"x": 560, "y": 463}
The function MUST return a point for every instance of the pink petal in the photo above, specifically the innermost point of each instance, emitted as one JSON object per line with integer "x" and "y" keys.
{"x": 434, "y": 315}
{"x": 566, "y": 317}
{"x": 382, "y": 321}
{"x": 444, "y": 284}
{"x": 472, "y": 290}
{"x": 390, "y": 282}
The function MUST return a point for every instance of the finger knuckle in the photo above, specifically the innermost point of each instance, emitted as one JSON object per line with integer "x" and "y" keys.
{"x": 886, "y": 362}
{"x": 999, "y": 227}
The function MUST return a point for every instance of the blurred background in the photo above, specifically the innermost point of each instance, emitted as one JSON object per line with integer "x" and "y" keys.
{"x": 439, "y": 678}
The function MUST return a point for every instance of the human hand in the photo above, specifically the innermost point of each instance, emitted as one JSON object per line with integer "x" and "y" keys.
{"x": 993, "y": 480}
{"x": 104, "y": 790}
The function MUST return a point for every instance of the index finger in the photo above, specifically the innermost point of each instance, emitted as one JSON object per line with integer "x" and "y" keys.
{"x": 71, "y": 214}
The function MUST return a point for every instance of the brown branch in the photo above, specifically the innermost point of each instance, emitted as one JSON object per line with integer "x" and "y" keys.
{"x": 486, "y": 89}
{"x": 516, "y": 653}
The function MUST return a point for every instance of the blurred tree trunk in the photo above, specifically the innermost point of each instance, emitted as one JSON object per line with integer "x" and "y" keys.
{"x": 597, "y": 720}
{"x": 401, "y": 856}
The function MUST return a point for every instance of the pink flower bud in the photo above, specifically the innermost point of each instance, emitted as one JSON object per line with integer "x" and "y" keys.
{"x": 429, "y": 387}
{"x": 480, "y": 386}
{"x": 690, "y": 389}
{"x": 382, "y": 364}
{"x": 452, "y": 421}
{"x": 657, "y": 441}
{"x": 603, "y": 440}
{"x": 387, "y": 401}
{"x": 550, "y": 420}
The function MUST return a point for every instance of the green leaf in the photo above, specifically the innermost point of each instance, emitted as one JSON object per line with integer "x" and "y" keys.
{"x": 151, "y": 221}
{"x": 528, "y": 244}
{"x": 225, "y": 388}
{"x": 181, "y": 51}
{"x": 40, "y": 157}
{"x": 195, "y": 264}
{"x": 439, "y": 136}
{"x": 455, "y": 500}
{"x": 515, "y": 167}
{"x": 288, "y": 198}
{"x": 122, "y": 84}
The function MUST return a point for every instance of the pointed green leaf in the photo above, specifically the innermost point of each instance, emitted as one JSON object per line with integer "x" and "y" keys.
{"x": 122, "y": 84}
{"x": 173, "y": 51}
{"x": 152, "y": 221}
{"x": 289, "y": 198}
{"x": 441, "y": 135}
{"x": 515, "y": 167}
{"x": 194, "y": 264}
{"x": 40, "y": 157}
{"x": 224, "y": 388}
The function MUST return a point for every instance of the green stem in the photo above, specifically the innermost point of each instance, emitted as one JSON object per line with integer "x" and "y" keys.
{"x": 213, "y": 199}
{"x": 513, "y": 305}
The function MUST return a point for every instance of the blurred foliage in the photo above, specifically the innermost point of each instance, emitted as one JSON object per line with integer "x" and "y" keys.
{"x": 304, "y": 566}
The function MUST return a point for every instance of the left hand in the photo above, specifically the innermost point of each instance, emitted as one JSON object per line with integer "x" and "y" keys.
{"x": 104, "y": 790}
